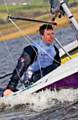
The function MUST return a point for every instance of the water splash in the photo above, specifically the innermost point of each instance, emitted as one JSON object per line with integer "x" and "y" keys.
{"x": 38, "y": 101}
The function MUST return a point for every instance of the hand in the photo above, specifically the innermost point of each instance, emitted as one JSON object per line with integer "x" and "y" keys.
{"x": 7, "y": 92}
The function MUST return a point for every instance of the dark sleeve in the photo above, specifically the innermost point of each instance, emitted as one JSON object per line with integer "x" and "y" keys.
{"x": 27, "y": 58}
{"x": 57, "y": 59}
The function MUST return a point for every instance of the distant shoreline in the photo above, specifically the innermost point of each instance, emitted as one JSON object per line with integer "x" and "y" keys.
{"x": 31, "y": 29}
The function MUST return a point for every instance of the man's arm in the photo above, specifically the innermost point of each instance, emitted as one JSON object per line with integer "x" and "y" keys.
{"x": 27, "y": 58}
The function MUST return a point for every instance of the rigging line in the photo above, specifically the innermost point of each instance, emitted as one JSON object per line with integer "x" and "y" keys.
{"x": 62, "y": 48}
{"x": 50, "y": 15}
{"x": 40, "y": 68}
{"x": 9, "y": 53}
{"x": 5, "y": 3}
{"x": 13, "y": 62}
{"x": 31, "y": 40}
{"x": 7, "y": 74}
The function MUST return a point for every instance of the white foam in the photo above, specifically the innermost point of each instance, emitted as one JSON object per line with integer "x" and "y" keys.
{"x": 41, "y": 100}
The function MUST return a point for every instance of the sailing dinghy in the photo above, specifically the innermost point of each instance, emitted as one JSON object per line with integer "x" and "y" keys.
{"x": 66, "y": 75}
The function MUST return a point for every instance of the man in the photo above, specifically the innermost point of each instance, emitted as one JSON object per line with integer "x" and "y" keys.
{"x": 40, "y": 58}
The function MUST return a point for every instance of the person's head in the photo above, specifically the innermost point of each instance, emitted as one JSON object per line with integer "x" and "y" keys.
{"x": 47, "y": 33}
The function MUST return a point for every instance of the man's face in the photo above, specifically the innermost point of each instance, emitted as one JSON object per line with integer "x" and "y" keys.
{"x": 48, "y": 36}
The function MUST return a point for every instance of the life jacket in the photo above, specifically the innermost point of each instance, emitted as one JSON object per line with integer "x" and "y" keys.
{"x": 45, "y": 58}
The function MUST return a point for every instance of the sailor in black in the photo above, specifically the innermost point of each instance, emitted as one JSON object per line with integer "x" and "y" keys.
{"x": 30, "y": 57}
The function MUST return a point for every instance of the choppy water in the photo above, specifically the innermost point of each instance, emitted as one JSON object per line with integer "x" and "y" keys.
{"x": 48, "y": 105}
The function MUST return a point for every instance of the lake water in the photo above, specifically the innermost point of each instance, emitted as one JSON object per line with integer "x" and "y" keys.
{"x": 47, "y": 105}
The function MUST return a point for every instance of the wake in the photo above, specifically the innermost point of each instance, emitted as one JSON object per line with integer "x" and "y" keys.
{"x": 38, "y": 101}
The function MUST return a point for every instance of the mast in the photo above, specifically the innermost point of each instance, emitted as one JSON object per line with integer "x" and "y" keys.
{"x": 69, "y": 14}
{"x": 61, "y": 6}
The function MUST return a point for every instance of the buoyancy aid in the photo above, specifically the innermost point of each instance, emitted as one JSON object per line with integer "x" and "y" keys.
{"x": 48, "y": 55}
{"x": 45, "y": 58}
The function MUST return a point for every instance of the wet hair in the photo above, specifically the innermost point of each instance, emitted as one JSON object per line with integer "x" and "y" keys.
{"x": 43, "y": 27}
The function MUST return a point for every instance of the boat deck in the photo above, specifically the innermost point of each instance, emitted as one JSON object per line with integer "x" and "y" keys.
{"x": 73, "y": 54}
